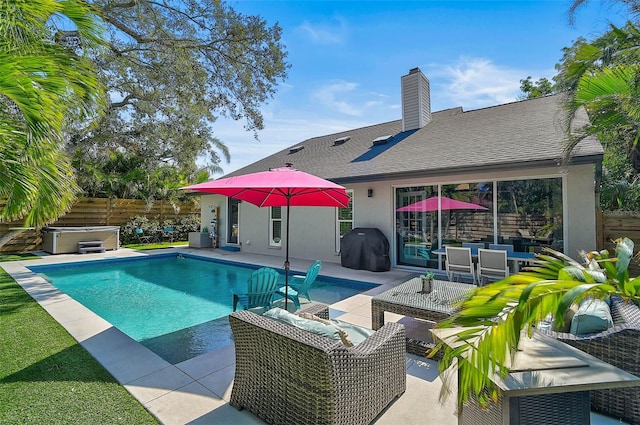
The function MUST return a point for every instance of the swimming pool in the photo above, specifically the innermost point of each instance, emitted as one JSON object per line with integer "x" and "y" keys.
{"x": 176, "y": 305}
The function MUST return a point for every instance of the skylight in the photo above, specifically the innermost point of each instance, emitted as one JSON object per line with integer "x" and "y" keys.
{"x": 341, "y": 140}
{"x": 296, "y": 149}
{"x": 382, "y": 140}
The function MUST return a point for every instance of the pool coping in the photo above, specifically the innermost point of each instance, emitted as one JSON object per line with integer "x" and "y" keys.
{"x": 197, "y": 390}
{"x": 199, "y": 387}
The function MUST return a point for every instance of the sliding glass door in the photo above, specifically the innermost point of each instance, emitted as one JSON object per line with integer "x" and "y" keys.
{"x": 527, "y": 214}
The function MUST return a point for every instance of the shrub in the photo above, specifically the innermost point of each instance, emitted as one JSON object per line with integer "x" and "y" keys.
{"x": 181, "y": 228}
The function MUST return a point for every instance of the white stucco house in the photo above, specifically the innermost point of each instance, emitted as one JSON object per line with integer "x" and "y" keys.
{"x": 505, "y": 159}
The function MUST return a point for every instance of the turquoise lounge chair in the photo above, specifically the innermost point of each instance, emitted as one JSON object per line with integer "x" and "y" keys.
{"x": 260, "y": 290}
{"x": 300, "y": 285}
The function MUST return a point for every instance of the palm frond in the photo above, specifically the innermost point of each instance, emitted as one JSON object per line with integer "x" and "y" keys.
{"x": 482, "y": 337}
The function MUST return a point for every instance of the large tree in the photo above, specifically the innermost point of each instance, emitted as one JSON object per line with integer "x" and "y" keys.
{"x": 530, "y": 89}
{"x": 171, "y": 69}
{"x": 42, "y": 83}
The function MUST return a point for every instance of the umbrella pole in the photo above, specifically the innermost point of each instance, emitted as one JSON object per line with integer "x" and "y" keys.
{"x": 286, "y": 261}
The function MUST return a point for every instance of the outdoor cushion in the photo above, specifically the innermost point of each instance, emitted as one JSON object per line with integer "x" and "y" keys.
{"x": 302, "y": 323}
{"x": 344, "y": 337}
{"x": 593, "y": 316}
{"x": 568, "y": 319}
{"x": 350, "y": 334}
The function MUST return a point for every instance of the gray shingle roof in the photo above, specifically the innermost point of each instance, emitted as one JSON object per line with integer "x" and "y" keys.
{"x": 527, "y": 133}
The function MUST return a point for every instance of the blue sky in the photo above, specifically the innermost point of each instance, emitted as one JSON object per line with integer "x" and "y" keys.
{"x": 347, "y": 59}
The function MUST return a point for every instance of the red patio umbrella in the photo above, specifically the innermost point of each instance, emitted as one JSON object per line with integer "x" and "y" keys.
{"x": 279, "y": 187}
{"x": 431, "y": 204}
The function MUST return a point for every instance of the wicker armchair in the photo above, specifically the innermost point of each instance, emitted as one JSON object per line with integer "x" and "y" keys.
{"x": 618, "y": 346}
{"x": 286, "y": 375}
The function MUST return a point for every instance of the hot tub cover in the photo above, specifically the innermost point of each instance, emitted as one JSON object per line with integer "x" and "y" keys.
{"x": 365, "y": 248}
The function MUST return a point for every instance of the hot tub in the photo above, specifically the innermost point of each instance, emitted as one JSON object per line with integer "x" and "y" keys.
{"x": 64, "y": 240}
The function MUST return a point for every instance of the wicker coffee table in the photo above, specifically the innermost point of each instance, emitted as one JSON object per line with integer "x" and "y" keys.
{"x": 407, "y": 299}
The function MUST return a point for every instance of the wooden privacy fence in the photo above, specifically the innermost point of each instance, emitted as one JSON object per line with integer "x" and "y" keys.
{"x": 613, "y": 225}
{"x": 98, "y": 212}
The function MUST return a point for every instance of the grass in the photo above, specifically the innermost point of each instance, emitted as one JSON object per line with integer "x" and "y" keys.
{"x": 46, "y": 377}
{"x": 18, "y": 257}
{"x": 159, "y": 245}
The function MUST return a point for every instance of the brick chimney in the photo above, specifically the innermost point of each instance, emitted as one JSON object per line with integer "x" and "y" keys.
{"x": 416, "y": 100}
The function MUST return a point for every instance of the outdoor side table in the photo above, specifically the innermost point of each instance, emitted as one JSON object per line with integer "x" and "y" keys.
{"x": 549, "y": 383}
{"x": 408, "y": 300}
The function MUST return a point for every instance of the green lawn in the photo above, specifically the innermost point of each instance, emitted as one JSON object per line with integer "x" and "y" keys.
{"x": 159, "y": 245}
{"x": 18, "y": 257}
{"x": 46, "y": 377}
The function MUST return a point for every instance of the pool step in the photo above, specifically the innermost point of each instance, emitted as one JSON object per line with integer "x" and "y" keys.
{"x": 90, "y": 246}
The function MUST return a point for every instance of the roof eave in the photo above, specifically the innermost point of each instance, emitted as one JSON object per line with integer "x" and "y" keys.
{"x": 581, "y": 160}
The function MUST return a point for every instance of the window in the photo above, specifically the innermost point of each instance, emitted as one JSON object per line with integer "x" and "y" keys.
{"x": 275, "y": 226}
{"x": 234, "y": 221}
{"x": 527, "y": 214}
{"x": 344, "y": 220}
{"x": 530, "y": 213}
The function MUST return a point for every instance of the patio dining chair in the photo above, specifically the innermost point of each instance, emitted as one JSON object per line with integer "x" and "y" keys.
{"x": 473, "y": 245}
{"x": 142, "y": 238}
{"x": 459, "y": 262}
{"x": 260, "y": 290}
{"x": 300, "y": 284}
{"x": 492, "y": 264}
{"x": 502, "y": 246}
{"x": 168, "y": 233}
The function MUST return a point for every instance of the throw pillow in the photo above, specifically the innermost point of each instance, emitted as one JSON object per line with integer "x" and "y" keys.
{"x": 592, "y": 316}
{"x": 568, "y": 319}
{"x": 356, "y": 333}
{"x": 344, "y": 337}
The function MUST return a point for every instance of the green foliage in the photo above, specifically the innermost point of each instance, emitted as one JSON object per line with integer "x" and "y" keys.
{"x": 181, "y": 228}
{"x": 620, "y": 188}
{"x": 117, "y": 174}
{"x": 602, "y": 76}
{"x": 540, "y": 88}
{"x": 42, "y": 83}
{"x": 495, "y": 316}
{"x": 172, "y": 68}
{"x": 46, "y": 377}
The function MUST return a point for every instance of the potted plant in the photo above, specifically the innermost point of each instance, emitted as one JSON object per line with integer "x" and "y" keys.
{"x": 496, "y": 315}
{"x": 427, "y": 280}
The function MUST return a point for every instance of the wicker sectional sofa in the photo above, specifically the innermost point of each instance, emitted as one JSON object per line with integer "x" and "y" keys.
{"x": 287, "y": 375}
{"x": 619, "y": 346}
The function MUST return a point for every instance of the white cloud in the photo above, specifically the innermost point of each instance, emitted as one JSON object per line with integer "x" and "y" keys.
{"x": 334, "y": 32}
{"x": 279, "y": 133}
{"x": 333, "y": 96}
{"x": 477, "y": 82}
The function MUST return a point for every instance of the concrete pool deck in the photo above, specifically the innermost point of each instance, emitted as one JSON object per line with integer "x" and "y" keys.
{"x": 197, "y": 390}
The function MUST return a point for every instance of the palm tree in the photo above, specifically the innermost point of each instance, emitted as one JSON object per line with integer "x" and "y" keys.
{"x": 603, "y": 77}
{"x": 495, "y": 316}
{"x": 41, "y": 83}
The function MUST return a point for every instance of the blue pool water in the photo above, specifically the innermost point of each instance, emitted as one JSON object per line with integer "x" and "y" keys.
{"x": 177, "y": 306}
